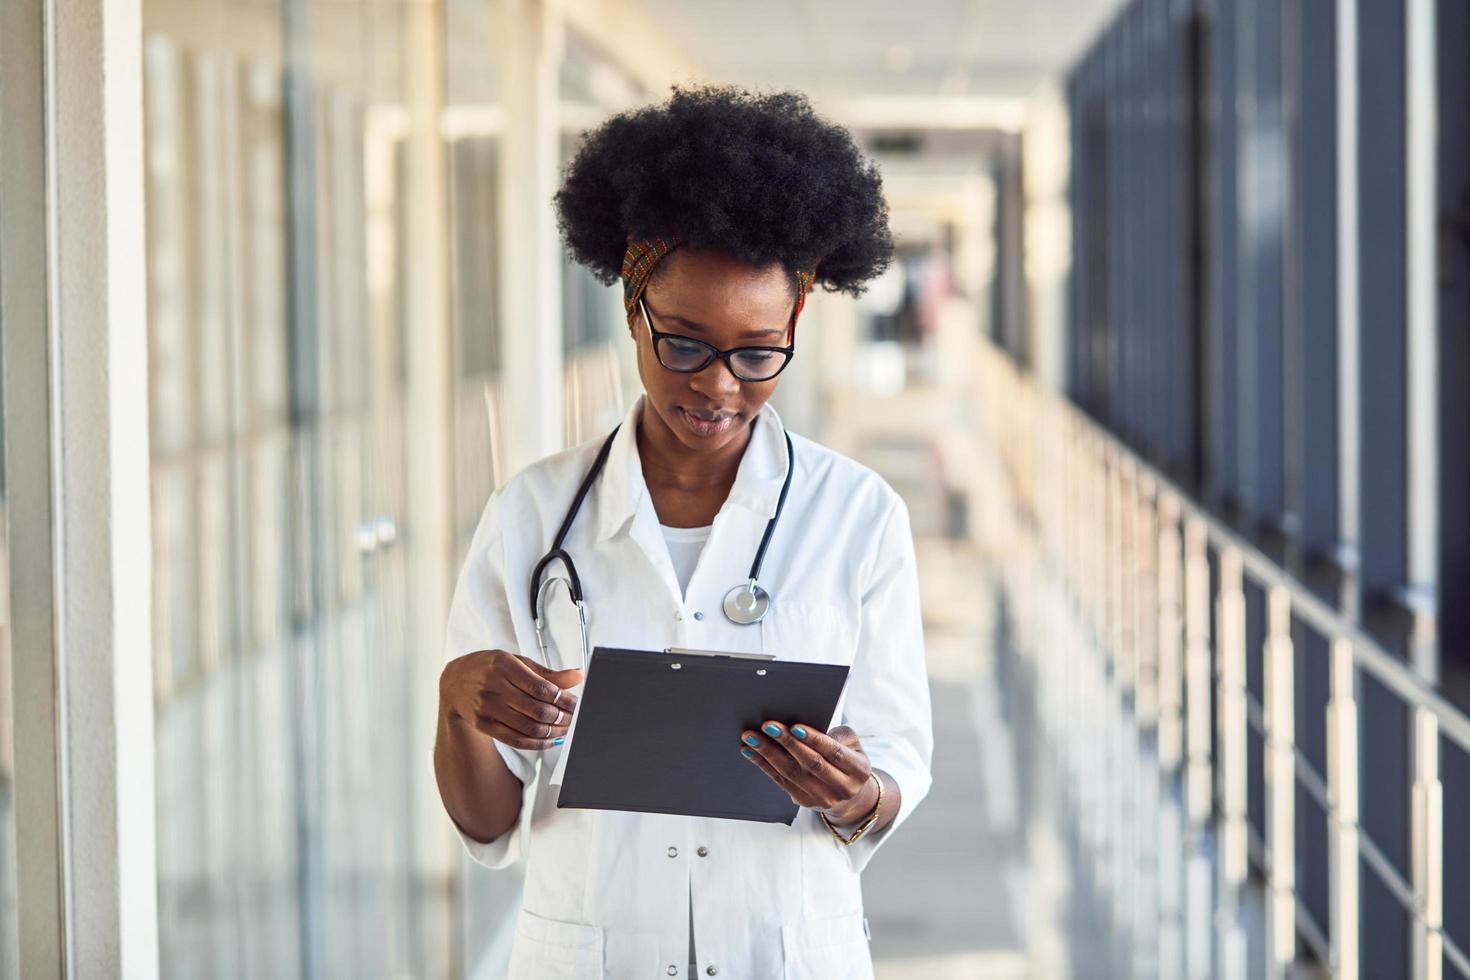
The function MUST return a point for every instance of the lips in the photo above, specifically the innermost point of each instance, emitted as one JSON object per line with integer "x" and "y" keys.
{"x": 705, "y": 424}
{"x": 708, "y": 415}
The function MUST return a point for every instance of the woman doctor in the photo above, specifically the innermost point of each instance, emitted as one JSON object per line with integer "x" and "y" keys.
{"x": 718, "y": 210}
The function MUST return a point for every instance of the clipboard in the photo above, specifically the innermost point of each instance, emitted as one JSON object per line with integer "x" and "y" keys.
{"x": 659, "y": 732}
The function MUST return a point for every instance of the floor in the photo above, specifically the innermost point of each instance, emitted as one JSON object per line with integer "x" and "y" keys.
{"x": 973, "y": 885}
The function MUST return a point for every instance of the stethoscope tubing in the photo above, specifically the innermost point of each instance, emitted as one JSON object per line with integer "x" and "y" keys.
{"x": 559, "y": 553}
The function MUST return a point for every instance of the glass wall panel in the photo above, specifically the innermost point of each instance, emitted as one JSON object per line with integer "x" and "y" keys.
{"x": 474, "y": 127}
{"x": 280, "y": 234}
{"x": 598, "y": 361}
{"x": 9, "y": 962}
{"x": 285, "y": 146}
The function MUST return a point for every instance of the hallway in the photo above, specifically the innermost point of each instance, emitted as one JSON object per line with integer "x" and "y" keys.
{"x": 1153, "y": 312}
{"x": 959, "y": 894}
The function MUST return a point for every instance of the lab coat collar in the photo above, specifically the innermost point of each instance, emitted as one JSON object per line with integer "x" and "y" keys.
{"x": 757, "y": 485}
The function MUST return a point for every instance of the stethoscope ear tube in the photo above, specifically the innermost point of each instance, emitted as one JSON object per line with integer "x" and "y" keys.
{"x": 538, "y": 587}
{"x": 566, "y": 525}
{"x": 760, "y": 553}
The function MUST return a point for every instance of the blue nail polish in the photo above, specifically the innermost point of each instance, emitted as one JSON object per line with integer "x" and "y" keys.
{"x": 771, "y": 730}
{"x": 747, "y": 753}
{"x": 751, "y": 740}
{"x": 558, "y": 741}
{"x": 798, "y": 731}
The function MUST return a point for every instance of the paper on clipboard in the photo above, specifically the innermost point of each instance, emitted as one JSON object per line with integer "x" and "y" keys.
{"x": 689, "y": 704}
{"x": 566, "y": 747}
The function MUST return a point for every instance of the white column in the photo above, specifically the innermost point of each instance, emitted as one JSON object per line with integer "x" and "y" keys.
{"x": 1280, "y": 765}
{"x": 1427, "y": 848}
{"x": 1233, "y": 719}
{"x": 1422, "y": 341}
{"x": 1199, "y": 777}
{"x": 1348, "y": 437}
{"x": 99, "y": 647}
{"x": 1170, "y": 644}
{"x": 1342, "y": 792}
{"x": 24, "y": 331}
{"x": 530, "y": 249}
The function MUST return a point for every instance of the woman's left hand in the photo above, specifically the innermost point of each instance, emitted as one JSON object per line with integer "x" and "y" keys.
{"x": 827, "y": 772}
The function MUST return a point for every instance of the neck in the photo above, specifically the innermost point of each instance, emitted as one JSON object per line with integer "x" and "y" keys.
{"x": 667, "y": 462}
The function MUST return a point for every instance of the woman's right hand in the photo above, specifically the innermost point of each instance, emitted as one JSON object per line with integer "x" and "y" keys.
{"x": 511, "y": 698}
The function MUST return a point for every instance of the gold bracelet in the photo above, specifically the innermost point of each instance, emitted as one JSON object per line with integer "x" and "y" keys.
{"x": 871, "y": 819}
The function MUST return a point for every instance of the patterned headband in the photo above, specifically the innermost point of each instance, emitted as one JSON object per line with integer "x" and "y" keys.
{"x": 643, "y": 254}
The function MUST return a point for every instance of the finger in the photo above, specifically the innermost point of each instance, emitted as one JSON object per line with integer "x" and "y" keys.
{"x": 531, "y": 677}
{"x": 798, "y": 795}
{"x": 808, "y": 758}
{"x": 840, "y": 747}
{"x": 516, "y": 740}
{"x": 563, "y": 679}
{"x": 773, "y": 752}
{"x": 516, "y": 722}
{"x": 547, "y": 714}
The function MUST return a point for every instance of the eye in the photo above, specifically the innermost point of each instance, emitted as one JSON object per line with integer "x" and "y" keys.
{"x": 689, "y": 347}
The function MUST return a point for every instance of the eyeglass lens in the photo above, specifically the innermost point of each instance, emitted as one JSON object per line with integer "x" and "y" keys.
{"x": 678, "y": 354}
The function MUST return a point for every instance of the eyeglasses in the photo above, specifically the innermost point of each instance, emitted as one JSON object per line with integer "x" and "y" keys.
{"x": 689, "y": 356}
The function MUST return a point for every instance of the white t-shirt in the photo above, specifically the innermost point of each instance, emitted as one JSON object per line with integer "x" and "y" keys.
{"x": 685, "y": 544}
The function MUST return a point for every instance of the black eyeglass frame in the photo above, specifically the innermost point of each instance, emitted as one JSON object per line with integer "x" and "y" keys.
{"x": 714, "y": 352}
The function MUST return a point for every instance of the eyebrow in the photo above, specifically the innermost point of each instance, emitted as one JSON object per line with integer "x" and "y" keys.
{"x": 698, "y": 327}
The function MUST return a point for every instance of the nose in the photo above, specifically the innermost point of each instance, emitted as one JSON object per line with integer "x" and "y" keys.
{"x": 715, "y": 380}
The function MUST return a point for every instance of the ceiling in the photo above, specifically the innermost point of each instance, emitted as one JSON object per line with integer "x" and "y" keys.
{"x": 917, "y": 58}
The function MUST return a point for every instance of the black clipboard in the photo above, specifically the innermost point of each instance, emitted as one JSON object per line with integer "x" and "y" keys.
{"x": 659, "y": 732}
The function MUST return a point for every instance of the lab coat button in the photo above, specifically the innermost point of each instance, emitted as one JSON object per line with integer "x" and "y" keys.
{"x": 703, "y": 852}
{"x": 673, "y": 970}
{"x": 673, "y": 852}
{"x": 699, "y": 616}
{"x": 711, "y": 969}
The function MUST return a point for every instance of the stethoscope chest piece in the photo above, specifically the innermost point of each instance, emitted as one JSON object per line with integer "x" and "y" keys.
{"x": 746, "y": 604}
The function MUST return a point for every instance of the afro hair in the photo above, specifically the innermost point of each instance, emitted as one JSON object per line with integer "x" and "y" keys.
{"x": 759, "y": 177}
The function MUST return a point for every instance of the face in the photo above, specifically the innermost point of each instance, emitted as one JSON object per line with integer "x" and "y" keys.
{"x": 711, "y": 297}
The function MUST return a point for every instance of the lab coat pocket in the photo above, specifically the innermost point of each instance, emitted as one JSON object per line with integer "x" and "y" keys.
{"x": 827, "y": 949}
{"x": 546, "y": 949}
{"x": 818, "y": 632}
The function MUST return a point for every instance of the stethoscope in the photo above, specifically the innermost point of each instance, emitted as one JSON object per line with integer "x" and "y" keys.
{"x": 744, "y": 605}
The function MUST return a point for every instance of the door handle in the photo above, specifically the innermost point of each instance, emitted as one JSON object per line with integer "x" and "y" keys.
{"x": 385, "y": 531}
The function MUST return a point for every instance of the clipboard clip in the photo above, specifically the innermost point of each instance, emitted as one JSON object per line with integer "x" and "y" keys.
{"x": 690, "y": 652}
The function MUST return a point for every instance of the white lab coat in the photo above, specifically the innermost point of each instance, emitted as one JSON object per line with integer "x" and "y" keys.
{"x": 607, "y": 893}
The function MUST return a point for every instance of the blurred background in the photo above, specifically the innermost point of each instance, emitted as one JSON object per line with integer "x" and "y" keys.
{"x": 1171, "y": 369}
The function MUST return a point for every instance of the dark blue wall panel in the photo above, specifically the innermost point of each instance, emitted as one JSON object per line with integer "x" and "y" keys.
{"x": 1313, "y": 689}
{"x": 1385, "y": 771}
{"x": 1311, "y": 858}
{"x": 1454, "y": 768}
{"x": 1383, "y": 936}
{"x": 1382, "y": 275}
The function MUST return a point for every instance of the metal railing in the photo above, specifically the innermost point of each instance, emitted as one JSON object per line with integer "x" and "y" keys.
{"x": 1167, "y": 653}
